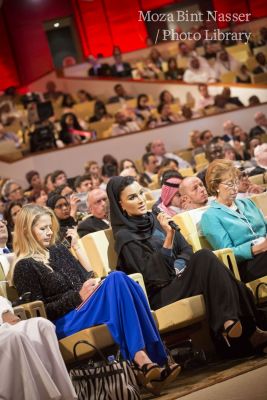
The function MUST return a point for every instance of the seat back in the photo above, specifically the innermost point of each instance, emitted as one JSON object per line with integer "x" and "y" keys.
{"x": 186, "y": 171}
{"x": 261, "y": 202}
{"x": 99, "y": 247}
{"x": 257, "y": 179}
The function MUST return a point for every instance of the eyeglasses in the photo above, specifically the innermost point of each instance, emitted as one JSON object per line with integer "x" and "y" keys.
{"x": 60, "y": 206}
{"x": 3, "y": 221}
{"x": 18, "y": 189}
{"x": 230, "y": 185}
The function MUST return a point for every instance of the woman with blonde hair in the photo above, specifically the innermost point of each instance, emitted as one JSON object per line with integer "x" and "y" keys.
{"x": 235, "y": 223}
{"x": 75, "y": 301}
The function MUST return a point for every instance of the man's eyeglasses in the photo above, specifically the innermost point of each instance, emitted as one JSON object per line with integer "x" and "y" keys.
{"x": 230, "y": 185}
{"x": 60, "y": 206}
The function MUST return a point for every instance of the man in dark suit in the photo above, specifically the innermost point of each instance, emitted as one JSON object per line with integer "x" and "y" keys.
{"x": 97, "y": 203}
{"x": 261, "y": 127}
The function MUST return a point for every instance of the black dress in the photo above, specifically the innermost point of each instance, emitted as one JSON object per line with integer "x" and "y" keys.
{"x": 139, "y": 250}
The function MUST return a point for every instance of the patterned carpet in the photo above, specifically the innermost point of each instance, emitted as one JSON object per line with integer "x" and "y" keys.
{"x": 193, "y": 380}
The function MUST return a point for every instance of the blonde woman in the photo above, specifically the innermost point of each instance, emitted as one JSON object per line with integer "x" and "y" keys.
{"x": 75, "y": 301}
{"x": 235, "y": 223}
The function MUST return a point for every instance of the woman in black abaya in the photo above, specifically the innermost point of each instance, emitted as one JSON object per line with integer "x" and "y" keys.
{"x": 171, "y": 271}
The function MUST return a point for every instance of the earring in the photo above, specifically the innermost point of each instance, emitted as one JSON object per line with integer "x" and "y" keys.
{"x": 218, "y": 191}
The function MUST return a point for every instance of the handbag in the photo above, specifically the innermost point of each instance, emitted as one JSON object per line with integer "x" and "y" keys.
{"x": 108, "y": 379}
{"x": 261, "y": 308}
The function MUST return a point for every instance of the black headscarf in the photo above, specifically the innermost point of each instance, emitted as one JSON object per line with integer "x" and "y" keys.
{"x": 125, "y": 228}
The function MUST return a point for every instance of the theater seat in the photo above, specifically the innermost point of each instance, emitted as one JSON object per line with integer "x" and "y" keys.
{"x": 100, "y": 249}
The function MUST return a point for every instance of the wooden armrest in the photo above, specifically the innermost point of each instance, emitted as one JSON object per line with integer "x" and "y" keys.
{"x": 228, "y": 258}
{"x": 34, "y": 309}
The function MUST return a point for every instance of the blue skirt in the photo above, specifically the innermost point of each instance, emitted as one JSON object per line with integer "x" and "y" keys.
{"x": 120, "y": 303}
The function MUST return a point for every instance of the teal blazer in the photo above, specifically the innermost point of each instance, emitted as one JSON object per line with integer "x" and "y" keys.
{"x": 224, "y": 227}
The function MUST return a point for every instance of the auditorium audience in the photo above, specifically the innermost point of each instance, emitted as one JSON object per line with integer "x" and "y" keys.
{"x": 121, "y": 69}
{"x": 84, "y": 96}
{"x": 30, "y": 352}
{"x": 12, "y": 191}
{"x": 260, "y": 153}
{"x": 123, "y": 125}
{"x": 150, "y": 166}
{"x": 70, "y": 284}
{"x": 170, "y": 197}
{"x": 34, "y": 180}
{"x": 69, "y": 126}
{"x": 10, "y": 214}
{"x": 173, "y": 72}
{"x": 225, "y": 63}
{"x": 143, "y": 109}
{"x": 58, "y": 178}
{"x": 199, "y": 72}
{"x": 97, "y": 204}
{"x": 246, "y": 188}
{"x": 4, "y": 248}
{"x": 83, "y": 183}
{"x": 226, "y": 93}
{"x": 6, "y": 136}
{"x": 140, "y": 236}
{"x": 48, "y": 184}
{"x": 262, "y": 64}
{"x": 52, "y": 93}
{"x": 243, "y": 75}
{"x": 205, "y": 99}
{"x": 235, "y": 223}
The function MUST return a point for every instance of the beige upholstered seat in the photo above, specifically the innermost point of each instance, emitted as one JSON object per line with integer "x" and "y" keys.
{"x": 100, "y": 249}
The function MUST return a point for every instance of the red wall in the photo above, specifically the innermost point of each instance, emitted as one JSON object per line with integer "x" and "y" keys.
{"x": 8, "y": 72}
{"x": 24, "y": 19}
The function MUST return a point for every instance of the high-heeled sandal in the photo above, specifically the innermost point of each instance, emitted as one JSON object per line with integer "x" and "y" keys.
{"x": 168, "y": 375}
{"x": 233, "y": 331}
{"x": 147, "y": 373}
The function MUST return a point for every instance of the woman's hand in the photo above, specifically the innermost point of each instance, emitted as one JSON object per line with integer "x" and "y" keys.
{"x": 87, "y": 288}
{"x": 74, "y": 200}
{"x": 72, "y": 233}
{"x": 259, "y": 248}
{"x": 164, "y": 222}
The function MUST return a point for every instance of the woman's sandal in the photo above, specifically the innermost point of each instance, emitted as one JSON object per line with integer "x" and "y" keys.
{"x": 148, "y": 372}
{"x": 233, "y": 331}
{"x": 168, "y": 375}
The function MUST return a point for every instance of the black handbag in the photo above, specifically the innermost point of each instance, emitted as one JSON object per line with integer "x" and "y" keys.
{"x": 104, "y": 380}
{"x": 261, "y": 308}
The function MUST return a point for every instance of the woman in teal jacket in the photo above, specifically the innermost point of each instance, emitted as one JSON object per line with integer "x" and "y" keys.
{"x": 236, "y": 224}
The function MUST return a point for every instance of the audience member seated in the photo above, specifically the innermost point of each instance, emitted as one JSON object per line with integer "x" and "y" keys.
{"x": 10, "y": 214}
{"x": 120, "y": 68}
{"x": 83, "y": 183}
{"x": 156, "y": 57}
{"x": 235, "y": 223}
{"x": 58, "y": 178}
{"x": 52, "y": 93}
{"x": 148, "y": 245}
{"x": 166, "y": 115}
{"x": 84, "y": 96}
{"x": 198, "y": 72}
{"x": 64, "y": 213}
{"x": 150, "y": 166}
{"x": 228, "y": 130}
{"x": 67, "y": 102}
{"x": 92, "y": 168}
{"x": 170, "y": 197}
{"x": 69, "y": 285}
{"x": 64, "y": 190}
{"x": 225, "y": 63}
{"x": 253, "y": 101}
{"x": 214, "y": 150}
{"x": 12, "y": 191}
{"x": 193, "y": 193}
{"x": 97, "y": 68}
{"x": 43, "y": 136}
{"x": 146, "y": 70}
{"x": 123, "y": 125}
{"x": 5, "y": 135}
{"x": 243, "y": 75}
{"x": 173, "y": 72}
{"x": 226, "y": 93}
{"x": 108, "y": 171}
{"x": 70, "y": 128}
{"x": 97, "y": 204}
{"x": 261, "y": 127}
{"x": 143, "y": 110}
{"x": 126, "y": 163}
{"x": 100, "y": 112}
{"x": 184, "y": 55}
{"x": 48, "y": 185}
{"x": 39, "y": 197}
{"x": 4, "y": 249}
{"x": 262, "y": 64}
{"x": 121, "y": 95}
{"x": 251, "y": 144}
{"x": 29, "y": 350}
{"x": 158, "y": 148}
{"x": 246, "y": 188}
{"x": 260, "y": 153}
{"x": 206, "y": 99}
{"x": 34, "y": 180}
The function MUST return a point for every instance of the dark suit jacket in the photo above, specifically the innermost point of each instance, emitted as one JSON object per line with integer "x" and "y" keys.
{"x": 256, "y": 131}
{"x": 90, "y": 225}
{"x": 257, "y": 171}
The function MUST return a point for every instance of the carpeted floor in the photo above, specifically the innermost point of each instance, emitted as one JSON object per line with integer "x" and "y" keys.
{"x": 193, "y": 380}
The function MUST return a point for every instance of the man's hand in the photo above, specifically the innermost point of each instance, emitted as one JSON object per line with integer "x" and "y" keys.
{"x": 10, "y": 318}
